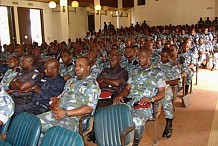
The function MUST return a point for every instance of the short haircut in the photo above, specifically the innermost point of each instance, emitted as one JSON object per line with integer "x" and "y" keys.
{"x": 55, "y": 63}
{"x": 31, "y": 58}
{"x": 14, "y": 57}
{"x": 66, "y": 51}
{"x": 147, "y": 50}
{"x": 86, "y": 59}
{"x": 117, "y": 55}
{"x": 166, "y": 50}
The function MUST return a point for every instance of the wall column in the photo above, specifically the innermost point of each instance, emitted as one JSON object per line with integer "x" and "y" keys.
{"x": 64, "y": 30}
{"x": 97, "y": 17}
{"x": 120, "y": 6}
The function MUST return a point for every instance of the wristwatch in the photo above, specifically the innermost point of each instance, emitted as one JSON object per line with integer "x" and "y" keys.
{"x": 67, "y": 114}
{"x": 152, "y": 99}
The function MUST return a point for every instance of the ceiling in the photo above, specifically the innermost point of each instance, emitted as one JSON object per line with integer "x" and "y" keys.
{"x": 86, "y": 3}
{"x": 82, "y": 3}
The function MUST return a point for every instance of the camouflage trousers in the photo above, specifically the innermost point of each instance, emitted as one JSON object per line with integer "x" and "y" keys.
{"x": 140, "y": 116}
{"x": 168, "y": 104}
{"x": 189, "y": 76}
{"x": 214, "y": 58}
{"x": 47, "y": 121}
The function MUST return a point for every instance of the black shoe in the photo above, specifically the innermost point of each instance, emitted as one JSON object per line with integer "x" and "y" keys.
{"x": 212, "y": 69}
{"x": 168, "y": 129}
{"x": 91, "y": 137}
{"x": 136, "y": 142}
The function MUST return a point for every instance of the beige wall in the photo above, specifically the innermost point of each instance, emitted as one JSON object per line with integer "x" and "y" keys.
{"x": 164, "y": 12}
{"x": 78, "y": 24}
{"x": 52, "y": 21}
{"x": 216, "y": 8}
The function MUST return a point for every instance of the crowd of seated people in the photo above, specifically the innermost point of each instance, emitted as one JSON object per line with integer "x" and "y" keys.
{"x": 60, "y": 82}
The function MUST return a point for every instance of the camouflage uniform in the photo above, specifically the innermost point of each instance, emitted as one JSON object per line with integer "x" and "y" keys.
{"x": 215, "y": 56}
{"x": 155, "y": 57}
{"x": 171, "y": 72}
{"x": 76, "y": 93}
{"x": 95, "y": 70}
{"x": 185, "y": 60}
{"x": 144, "y": 82}
{"x": 7, "y": 78}
{"x": 67, "y": 69}
{"x": 6, "y": 105}
{"x": 4, "y": 56}
{"x": 201, "y": 57}
{"x": 130, "y": 66}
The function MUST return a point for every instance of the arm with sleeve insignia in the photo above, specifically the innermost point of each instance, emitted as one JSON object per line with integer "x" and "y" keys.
{"x": 28, "y": 84}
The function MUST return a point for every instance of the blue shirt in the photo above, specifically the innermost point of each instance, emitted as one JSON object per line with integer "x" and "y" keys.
{"x": 49, "y": 88}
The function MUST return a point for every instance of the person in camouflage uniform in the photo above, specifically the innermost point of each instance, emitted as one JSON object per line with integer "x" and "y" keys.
{"x": 96, "y": 68}
{"x": 13, "y": 64}
{"x": 80, "y": 97}
{"x": 67, "y": 66}
{"x": 145, "y": 86}
{"x": 186, "y": 59}
{"x": 130, "y": 62}
{"x": 214, "y": 57}
{"x": 6, "y": 106}
{"x": 202, "y": 53}
{"x": 172, "y": 73}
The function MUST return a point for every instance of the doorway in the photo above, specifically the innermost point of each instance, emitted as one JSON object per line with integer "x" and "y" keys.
{"x": 31, "y": 26}
{"x": 7, "y": 26}
{"x": 91, "y": 23}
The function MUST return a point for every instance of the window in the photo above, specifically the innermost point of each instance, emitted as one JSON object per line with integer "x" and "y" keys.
{"x": 4, "y": 26}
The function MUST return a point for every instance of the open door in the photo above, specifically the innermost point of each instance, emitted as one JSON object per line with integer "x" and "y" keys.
{"x": 30, "y": 25}
{"x": 91, "y": 22}
{"x": 24, "y": 25}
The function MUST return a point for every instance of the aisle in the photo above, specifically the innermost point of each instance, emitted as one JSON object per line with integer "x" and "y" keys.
{"x": 195, "y": 125}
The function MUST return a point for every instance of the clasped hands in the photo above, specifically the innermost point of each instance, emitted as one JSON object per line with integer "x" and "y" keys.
{"x": 58, "y": 113}
{"x": 144, "y": 100}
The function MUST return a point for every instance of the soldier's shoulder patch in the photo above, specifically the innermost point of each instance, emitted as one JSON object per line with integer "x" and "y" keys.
{"x": 43, "y": 80}
{"x": 35, "y": 75}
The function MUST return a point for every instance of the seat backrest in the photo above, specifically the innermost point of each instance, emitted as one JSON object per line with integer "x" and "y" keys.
{"x": 110, "y": 122}
{"x": 24, "y": 130}
{"x": 4, "y": 128}
{"x": 58, "y": 136}
{"x": 4, "y": 143}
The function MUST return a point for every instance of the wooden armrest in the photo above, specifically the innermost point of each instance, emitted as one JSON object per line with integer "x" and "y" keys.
{"x": 156, "y": 112}
{"x": 89, "y": 129}
{"x": 124, "y": 133}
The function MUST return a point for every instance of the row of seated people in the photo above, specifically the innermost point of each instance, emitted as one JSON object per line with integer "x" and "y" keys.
{"x": 142, "y": 81}
{"x": 202, "y": 46}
